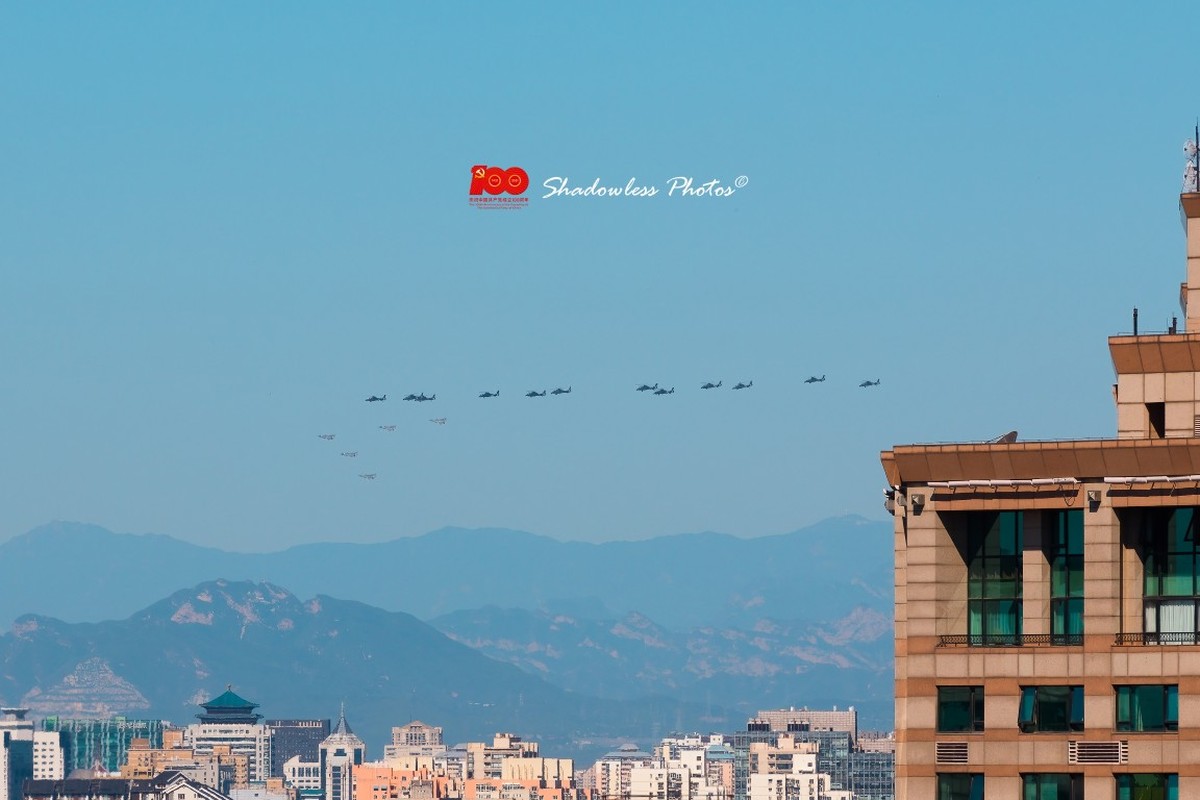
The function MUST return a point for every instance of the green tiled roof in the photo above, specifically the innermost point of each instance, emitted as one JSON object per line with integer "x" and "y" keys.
{"x": 229, "y": 700}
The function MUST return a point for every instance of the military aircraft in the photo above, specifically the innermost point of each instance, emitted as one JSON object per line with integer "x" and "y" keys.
{"x": 351, "y": 454}
{"x": 490, "y": 394}
{"x": 421, "y": 398}
{"x": 532, "y": 393}
{"x": 711, "y": 385}
{"x": 410, "y": 397}
{"x": 815, "y": 379}
{"x": 743, "y": 385}
{"x": 665, "y": 391}
{"x": 562, "y": 391}
{"x": 439, "y": 421}
{"x": 326, "y": 436}
{"x": 376, "y": 399}
{"x": 388, "y": 428}
{"x": 645, "y": 388}
{"x": 865, "y": 384}
{"x": 370, "y": 476}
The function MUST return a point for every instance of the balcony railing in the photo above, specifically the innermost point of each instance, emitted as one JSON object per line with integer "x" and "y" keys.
{"x": 1011, "y": 640}
{"x": 1151, "y": 639}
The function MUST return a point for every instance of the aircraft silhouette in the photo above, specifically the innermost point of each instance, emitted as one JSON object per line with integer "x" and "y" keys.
{"x": 421, "y": 398}
{"x": 370, "y": 476}
{"x": 743, "y": 385}
{"x": 490, "y": 394}
{"x": 815, "y": 379}
{"x": 711, "y": 385}
{"x": 664, "y": 391}
{"x": 376, "y": 399}
{"x": 326, "y": 436}
{"x": 387, "y": 427}
{"x": 532, "y": 393}
{"x": 351, "y": 454}
{"x": 562, "y": 391}
{"x": 439, "y": 421}
{"x": 865, "y": 384}
{"x": 645, "y": 388}
{"x": 410, "y": 397}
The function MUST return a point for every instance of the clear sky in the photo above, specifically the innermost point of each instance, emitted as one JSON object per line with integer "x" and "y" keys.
{"x": 223, "y": 225}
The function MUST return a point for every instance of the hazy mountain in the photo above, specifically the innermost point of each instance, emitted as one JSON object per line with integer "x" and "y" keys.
{"x": 820, "y": 574}
{"x": 303, "y": 658}
{"x": 773, "y": 664}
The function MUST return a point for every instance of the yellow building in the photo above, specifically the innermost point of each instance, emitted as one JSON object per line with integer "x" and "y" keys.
{"x": 1047, "y": 595}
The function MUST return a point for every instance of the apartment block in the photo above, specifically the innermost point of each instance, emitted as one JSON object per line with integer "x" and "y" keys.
{"x": 1048, "y": 593}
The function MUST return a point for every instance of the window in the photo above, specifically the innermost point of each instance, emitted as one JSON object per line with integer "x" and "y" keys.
{"x": 960, "y": 709}
{"x": 960, "y": 786}
{"x": 1171, "y": 585}
{"x": 1051, "y": 786}
{"x": 1141, "y": 786}
{"x": 1063, "y": 533}
{"x": 1050, "y": 708}
{"x": 994, "y": 542}
{"x": 1150, "y": 707}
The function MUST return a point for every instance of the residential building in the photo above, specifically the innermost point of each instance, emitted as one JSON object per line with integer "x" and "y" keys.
{"x": 48, "y": 756}
{"x": 1047, "y": 634}
{"x": 612, "y": 772}
{"x": 485, "y": 761}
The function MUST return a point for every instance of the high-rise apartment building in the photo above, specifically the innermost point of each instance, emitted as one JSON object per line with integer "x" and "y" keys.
{"x": 1048, "y": 594}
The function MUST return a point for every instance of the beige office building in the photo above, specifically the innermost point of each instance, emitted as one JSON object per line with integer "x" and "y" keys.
{"x": 1047, "y": 594}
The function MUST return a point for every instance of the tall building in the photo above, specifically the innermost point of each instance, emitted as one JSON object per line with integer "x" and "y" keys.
{"x": 340, "y": 753}
{"x": 230, "y": 724}
{"x": 16, "y": 752}
{"x": 1047, "y": 639}
{"x": 295, "y": 737}
{"x": 101, "y": 744}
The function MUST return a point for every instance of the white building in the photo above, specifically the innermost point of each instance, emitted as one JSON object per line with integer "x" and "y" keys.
{"x": 49, "y": 763}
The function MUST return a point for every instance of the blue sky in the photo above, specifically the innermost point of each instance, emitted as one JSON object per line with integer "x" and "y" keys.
{"x": 224, "y": 225}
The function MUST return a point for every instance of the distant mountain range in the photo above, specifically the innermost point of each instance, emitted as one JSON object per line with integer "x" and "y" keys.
{"x": 84, "y": 573}
{"x": 302, "y": 659}
{"x": 574, "y": 642}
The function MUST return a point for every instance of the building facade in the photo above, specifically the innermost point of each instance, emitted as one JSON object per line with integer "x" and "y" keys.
{"x": 230, "y": 726}
{"x": 16, "y": 751}
{"x": 1047, "y": 595}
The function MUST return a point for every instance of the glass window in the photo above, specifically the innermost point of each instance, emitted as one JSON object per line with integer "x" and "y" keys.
{"x": 1172, "y": 588}
{"x": 1050, "y": 708}
{"x": 1150, "y": 707}
{"x": 1063, "y": 533}
{"x": 994, "y": 544}
{"x": 960, "y": 709}
{"x": 1052, "y": 786}
{"x": 1141, "y": 786}
{"x": 960, "y": 786}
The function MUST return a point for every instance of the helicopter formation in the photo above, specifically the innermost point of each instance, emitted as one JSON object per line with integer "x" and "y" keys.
{"x": 653, "y": 389}
{"x": 645, "y": 387}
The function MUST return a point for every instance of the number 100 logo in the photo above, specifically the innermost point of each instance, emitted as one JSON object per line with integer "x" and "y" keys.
{"x": 495, "y": 180}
